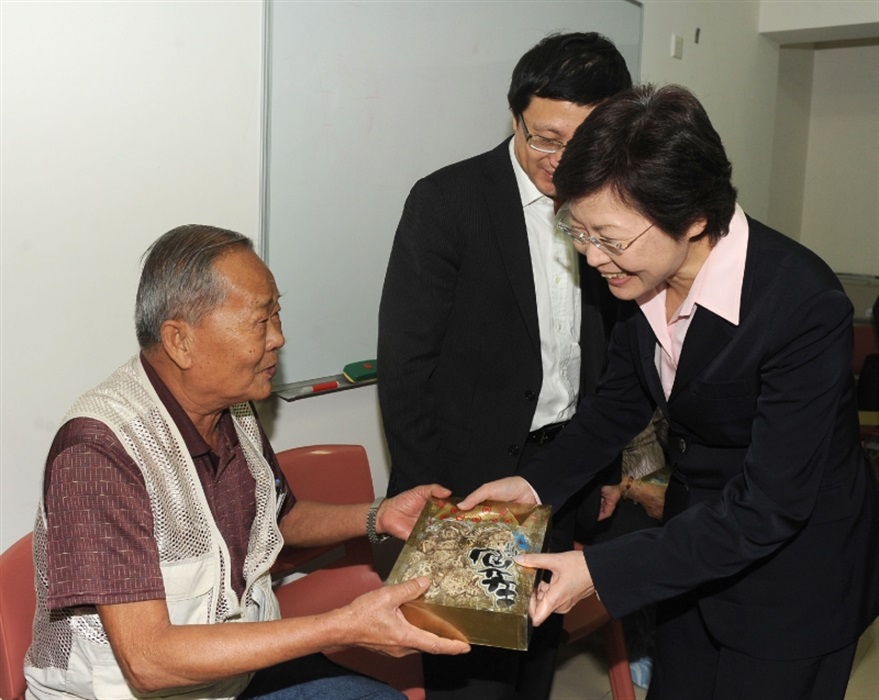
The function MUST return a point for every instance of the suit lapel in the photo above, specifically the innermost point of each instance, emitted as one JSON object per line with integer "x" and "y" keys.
{"x": 707, "y": 336}
{"x": 647, "y": 355}
{"x": 756, "y": 268}
{"x": 508, "y": 227}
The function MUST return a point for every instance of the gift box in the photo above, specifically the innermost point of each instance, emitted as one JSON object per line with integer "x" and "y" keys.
{"x": 477, "y": 592}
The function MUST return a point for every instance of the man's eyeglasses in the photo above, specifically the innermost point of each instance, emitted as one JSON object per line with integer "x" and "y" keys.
{"x": 612, "y": 248}
{"x": 540, "y": 143}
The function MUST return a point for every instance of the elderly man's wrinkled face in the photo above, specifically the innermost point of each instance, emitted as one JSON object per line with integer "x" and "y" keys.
{"x": 235, "y": 347}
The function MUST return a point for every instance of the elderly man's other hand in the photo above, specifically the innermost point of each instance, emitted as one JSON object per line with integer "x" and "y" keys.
{"x": 647, "y": 494}
{"x": 652, "y": 499}
{"x": 610, "y": 496}
{"x": 374, "y": 621}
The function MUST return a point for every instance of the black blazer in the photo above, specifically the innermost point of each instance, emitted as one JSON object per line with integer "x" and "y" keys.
{"x": 459, "y": 346}
{"x": 773, "y": 510}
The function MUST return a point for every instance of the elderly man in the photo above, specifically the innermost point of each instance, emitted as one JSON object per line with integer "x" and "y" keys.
{"x": 163, "y": 509}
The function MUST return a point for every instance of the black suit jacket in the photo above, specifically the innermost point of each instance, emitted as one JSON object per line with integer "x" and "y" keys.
{"x": 772, "y": 512}
{"x": 459, "y": 346}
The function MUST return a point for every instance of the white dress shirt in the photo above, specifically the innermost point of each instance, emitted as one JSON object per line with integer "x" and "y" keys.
{"x": 554, "y": 262}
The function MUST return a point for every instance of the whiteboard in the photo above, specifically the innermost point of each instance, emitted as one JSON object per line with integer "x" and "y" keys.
{"x": 363, "y": 98}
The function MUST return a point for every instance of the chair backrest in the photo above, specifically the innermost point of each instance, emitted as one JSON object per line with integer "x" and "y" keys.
{"x": 18, "y": 601}
{"x": 339, "y": 474}
{"x": 330, "y": 474}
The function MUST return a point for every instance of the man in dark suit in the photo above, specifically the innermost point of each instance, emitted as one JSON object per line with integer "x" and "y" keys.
{"x": 490, "y": 328}
{"x": 766, "y": 569}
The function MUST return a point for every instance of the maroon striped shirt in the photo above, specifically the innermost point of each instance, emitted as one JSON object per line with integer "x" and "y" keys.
{"x": 101, "y": 548}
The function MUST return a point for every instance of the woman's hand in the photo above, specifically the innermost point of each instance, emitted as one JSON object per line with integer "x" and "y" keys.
{"x": 570, "y": 583}
{"x": 512, "y": 489}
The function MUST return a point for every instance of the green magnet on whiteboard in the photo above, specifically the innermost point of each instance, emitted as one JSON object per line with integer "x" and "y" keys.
{"x": 360, "y": 371}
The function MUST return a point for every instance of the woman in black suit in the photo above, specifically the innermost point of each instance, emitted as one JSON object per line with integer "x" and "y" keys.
{"x": 766, "y": 568}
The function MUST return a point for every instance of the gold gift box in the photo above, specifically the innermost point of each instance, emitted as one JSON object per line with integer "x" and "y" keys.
{"x": 477, "y": 592}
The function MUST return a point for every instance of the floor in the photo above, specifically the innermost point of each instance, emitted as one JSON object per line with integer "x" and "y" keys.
{"x": 582, "y": 675}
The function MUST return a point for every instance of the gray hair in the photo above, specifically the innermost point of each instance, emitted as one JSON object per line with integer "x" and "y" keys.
{"x": 178, "y": 280}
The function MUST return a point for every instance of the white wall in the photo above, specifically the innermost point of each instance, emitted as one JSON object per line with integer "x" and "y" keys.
{"x": 122, "y": 120}
{"x": 732, "y": 70}
{"x": 795, "y": 21}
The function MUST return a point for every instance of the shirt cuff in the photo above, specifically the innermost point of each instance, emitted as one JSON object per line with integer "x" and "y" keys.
{"x": 534, "y": 493}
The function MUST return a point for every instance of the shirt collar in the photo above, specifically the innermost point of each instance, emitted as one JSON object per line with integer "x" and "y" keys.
{"x": 195, "y": 443}
{"x": 718, "y": 284}
{"x": 528, "y": 192}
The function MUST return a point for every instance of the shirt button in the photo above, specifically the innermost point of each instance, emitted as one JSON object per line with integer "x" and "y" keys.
{"x": 530, "y": 395}
{"x": 682, "y": 445}
{"x": 513, "y": 450}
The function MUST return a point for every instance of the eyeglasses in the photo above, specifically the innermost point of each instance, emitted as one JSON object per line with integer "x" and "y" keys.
{"x": 612, "y": 248}
{"x": 540, "y": 143}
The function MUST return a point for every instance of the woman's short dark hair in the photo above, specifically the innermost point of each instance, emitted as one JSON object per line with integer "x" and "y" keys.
{"x": 656, "y": 150}
{"x": 178, "y": 280}
{"x": 583, "y": 68}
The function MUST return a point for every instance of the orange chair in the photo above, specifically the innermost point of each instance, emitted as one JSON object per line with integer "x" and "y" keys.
{"x": 18, "y": 601}
{"x": 338, "y": 474}
{"x": 589, "y": 616}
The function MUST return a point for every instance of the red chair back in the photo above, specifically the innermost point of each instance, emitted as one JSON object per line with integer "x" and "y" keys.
{"x": 329, "y": 474}
{"x": 18, "y": 601}
{"x": 338, "y": 474}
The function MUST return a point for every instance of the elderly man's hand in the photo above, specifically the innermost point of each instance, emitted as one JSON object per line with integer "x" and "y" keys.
{"x": 610, "y": 496}
{"x": 397, "y": 515}
{"x": 374, "y": 621}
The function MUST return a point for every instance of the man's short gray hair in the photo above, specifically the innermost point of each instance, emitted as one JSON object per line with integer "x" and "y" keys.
{"x": 178, "y": 281}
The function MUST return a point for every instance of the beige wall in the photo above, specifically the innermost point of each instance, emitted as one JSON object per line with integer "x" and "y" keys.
{"x": 841, "y": 223}
{"x": 121, "y": 120}
{"x": 790, "y": 145}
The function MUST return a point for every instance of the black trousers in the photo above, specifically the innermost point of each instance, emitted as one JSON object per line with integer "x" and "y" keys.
{"x": 489, "y": 673}
{"x": 689, "y": 663}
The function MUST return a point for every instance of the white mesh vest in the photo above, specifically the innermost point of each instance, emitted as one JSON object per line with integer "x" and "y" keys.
{"x": 71, "y": 656}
